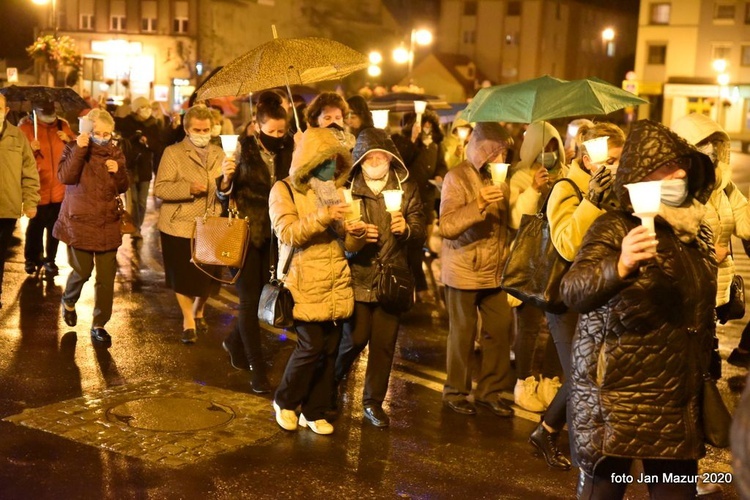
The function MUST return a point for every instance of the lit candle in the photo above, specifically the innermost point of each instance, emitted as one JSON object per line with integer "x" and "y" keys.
{"x": 35, "y": 126}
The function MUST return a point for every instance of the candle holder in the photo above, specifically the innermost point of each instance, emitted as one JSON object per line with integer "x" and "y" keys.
{"x": 229, "y": 143}
{"x": 597, "y": 149}
{"x": 645, "y": 198}
{"x": 419, "y": 109}
{"x": 380, "y": 118}
{"x": 392, "y": 199}
{"x": 499, "y": 172}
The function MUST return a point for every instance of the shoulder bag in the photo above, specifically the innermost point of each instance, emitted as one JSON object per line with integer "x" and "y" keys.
{"x": 394, "y": 287}
{"x": 534, "y": 268}
{"x": 127, "y": 226}
{"x": 735, "y": 308}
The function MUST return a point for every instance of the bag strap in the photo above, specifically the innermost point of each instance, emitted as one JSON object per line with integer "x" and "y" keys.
{"x": 543, "y": 210}
{"x": 727, "y": 192}
{"x": 274, "y": 247}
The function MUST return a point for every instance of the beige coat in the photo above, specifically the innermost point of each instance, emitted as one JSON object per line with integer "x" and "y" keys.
{"x": 19, "y": 178}
{"x": 181, "y": 166}
{"x": 319, "y": 276}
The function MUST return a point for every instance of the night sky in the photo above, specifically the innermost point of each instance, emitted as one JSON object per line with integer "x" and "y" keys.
{"x": 17, "y": 31}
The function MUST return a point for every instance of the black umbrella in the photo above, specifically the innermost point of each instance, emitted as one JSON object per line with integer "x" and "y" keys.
{"x": 404, "y": 101}
{"x": 23, "y": 98}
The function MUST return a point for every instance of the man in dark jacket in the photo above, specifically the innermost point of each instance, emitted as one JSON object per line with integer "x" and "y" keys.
{"x": 647, "y": 320}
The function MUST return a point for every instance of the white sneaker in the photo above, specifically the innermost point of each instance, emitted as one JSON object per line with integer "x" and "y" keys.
{"x": 547, "y": 389}
{"x": 318, "y": 427}
{"x": 286, "y": 419}
{"x": 525, "y": 395}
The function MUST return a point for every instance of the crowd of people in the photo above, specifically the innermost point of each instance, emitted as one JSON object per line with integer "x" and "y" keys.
{"x": 622, "y": 366}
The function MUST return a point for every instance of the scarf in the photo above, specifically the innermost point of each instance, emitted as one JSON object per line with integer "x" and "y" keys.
{"x": 684, "y": 220}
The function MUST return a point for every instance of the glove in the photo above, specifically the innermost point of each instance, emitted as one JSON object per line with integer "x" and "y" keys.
{"x": 600, "y": 183}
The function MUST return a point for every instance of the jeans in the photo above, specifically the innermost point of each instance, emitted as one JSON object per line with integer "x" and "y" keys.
{"x": 46, "y": 216}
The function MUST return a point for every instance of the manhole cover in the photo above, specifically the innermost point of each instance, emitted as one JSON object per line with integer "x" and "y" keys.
{"x": 171, "y": 414}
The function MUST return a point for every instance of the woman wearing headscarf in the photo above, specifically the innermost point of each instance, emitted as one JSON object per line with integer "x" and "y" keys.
{"x": 307, "y": 213}
{"x": 265, "y": 154}
{"x": 647, "y": 320}
{"x": 377, "y": 167}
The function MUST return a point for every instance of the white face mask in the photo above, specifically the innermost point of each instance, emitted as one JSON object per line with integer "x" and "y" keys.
{"x": 46, "y": 118}
{"x": 674, "y": 192}
{"x": 376, "y": 172}
{"x": 215, "y": 130}
{"x": 199, "y": 140}
{"x": 144, "y": 113}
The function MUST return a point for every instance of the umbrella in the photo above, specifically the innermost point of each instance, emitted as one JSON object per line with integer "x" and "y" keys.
{"x": 282, "y": 62}
{"x": 23, "y": 98}
{"x": 592, "y": 96}
{"x": 404, "y": 101}
{"x": 522, "y": 102}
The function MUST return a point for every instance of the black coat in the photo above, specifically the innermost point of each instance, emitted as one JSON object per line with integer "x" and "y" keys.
{"x": 140, "y": 159}
{"x": 636, "y": 380}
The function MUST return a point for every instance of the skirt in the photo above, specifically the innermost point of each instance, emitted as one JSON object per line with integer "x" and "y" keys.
{"x": 180, "y": 274}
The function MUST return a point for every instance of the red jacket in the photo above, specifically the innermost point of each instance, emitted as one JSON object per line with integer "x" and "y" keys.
{"x": 47, "y": 158}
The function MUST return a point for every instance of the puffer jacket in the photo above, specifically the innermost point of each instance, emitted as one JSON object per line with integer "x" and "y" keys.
{"x": 180, "y": 166}
{"x": 48, "y": 157}
{"x": 319, "y": 276}
{"x": 475, "y": 243}
{"x": 88, "y": 217}
{"x": 636, "y": 381}
{"x": 389, "y": 248}
{"x": 727, "y": 211}
{"x": 524, "y": 199}
{"x": 19, "y": 179}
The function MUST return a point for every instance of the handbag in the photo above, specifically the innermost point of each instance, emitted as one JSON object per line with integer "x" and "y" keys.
{"x": 394, "y": 288}
{"x": 735, "y": 308}
{"x": 276, "y": 304}
{"x": 534, "y": 268}
{"x": 127, "y": 226}
{"x": 220, "y": 241}
{"x": 716, "y": 418}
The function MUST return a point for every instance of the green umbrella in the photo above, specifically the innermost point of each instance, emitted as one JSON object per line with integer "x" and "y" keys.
{"x": 590, "y": 96}
{"x": 522, "y": 102}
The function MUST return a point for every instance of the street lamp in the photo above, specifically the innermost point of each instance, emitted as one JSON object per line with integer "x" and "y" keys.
{"x": 54, "y": 11}
{"x": 720, "y": 66}
{"x": 375, "y": 59}
{"x": 608, "y": 37}
{"x": 403, "y": 55}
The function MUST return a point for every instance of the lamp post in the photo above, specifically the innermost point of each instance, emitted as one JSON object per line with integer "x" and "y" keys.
{"x": 54, "y": 12}
{"x": 722, "y": 79}
{"x": 375, "y": 59}
{"x": 417, "y": 37}
{"x": 608, "y": 37}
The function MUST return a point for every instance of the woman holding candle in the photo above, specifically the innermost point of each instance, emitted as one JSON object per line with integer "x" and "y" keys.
{"x": 263, "y": 157}
{"x": 569, "y": 218}
{"x": 378, "y": 168}
{"x": 647, "y": 319}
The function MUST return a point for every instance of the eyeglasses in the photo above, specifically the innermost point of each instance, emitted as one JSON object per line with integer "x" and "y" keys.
{"x": 102, "y": 135}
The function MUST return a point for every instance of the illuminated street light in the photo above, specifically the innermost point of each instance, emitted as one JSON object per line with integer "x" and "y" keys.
{"x": 54, "y": 11}
{"x": 608, "y": 35}
{"x": 723, "y": 79}
{"x": 401, "y": 55}
{"x": 374, "y": 70}
{"x": 422, "y": 37}
{"x": 719, "y": 65}
{"x": 375, "y": 57}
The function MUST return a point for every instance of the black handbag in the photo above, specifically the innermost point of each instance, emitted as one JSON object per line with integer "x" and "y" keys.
{"x": 716, "y": 418}
{"x": 534, "y": 268}
{"x": 394, "y": 288}
{"x": 735, "y": 308}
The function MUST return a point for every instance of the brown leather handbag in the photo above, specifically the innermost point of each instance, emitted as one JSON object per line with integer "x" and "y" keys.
{"x": 220, "y": 241}
{"x": 127, "y": 226}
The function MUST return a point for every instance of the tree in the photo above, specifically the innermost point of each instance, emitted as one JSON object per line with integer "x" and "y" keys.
{"x": 57, "y": 54}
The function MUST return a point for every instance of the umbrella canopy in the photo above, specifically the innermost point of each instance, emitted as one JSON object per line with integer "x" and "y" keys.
{"x": 547, "y": 98}
{"x": 23, "y": 98}
{"x": 284, "y": 61}
{"x": 404, "y": 101}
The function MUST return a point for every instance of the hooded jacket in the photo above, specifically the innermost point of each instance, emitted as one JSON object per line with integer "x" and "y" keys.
{"x": 51, "y": 190}
{"x": 88, "y": 217}
{"x": 319, "y": 276}
{"x": 475, "y": 243}
{"x": 524, "y": 199}
{"x": 727, "y": 211}
{"x": 642, "y": 339}
{"x": 389, "y": 248}
{"x": 19, "y": 178}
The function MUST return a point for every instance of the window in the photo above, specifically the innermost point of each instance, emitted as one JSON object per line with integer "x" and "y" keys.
{"x": 117, "y": 15}
{"x": 660, "y": 13}
{"x": 470, "y": 8}
{"x": 721, "y": 51}
{"x": 470, "y": 37}
{"x": 745, "y": 55}
{"x": 148, "y": 16}
{"x": 514, "y": 8}
{"x": 657, "y": 54}
{"x": 724, "y": 12}
{"x": 86, "y": 16}
{"x": 511, "y": 39}
{"x": 180, "y": 21}
{"x": 747, "y": 13}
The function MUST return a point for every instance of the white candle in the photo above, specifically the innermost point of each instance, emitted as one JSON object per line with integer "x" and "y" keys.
{"x": 392, "y": 199}
{"x": 35, "y": 126}
{"x": 229, "y": 143}
{"x": 597, "y": 149}
{"x": 499, "y": 172}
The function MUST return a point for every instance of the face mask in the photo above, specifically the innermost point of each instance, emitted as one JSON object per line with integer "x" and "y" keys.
{"x": 326, "y": 170}
{"x": 46, "y": 118}
{"x": 336, "y": 126}
{"x": 547, "y": 159}
{"x": 613, "y": 168}
{"x": 674, "y": 192}
{"x": 376, "y": 172}
{"x": 215, "y": 130}
{"x": 273, "y": 144}
{"x": 99, "y": 140}
{"x": 199, "y": 140}
{"x": 144, "y": 113}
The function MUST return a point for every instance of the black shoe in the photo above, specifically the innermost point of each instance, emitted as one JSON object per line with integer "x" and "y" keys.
{"x": 258, "y": 380}
{"x": 546, "y": 443}
{"x": 101, "y": 335}
{"x": 189, "y": 336}
{"x": 498, "y": 407}
{"x": 70, "y": 317}
{"x": 201, "y": 326}
{"x": 738, "y": 358}
{"x": 30, "y": 267}
{"x": 237, "y": 358}
{"x": 376, "y": 416}
{"x": 462, "y": 406}
{"x": 51, "y": 268}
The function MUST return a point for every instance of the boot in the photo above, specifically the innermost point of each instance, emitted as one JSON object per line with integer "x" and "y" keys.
{"x": 258, "y": 379}
{"x": 546, "y": 443}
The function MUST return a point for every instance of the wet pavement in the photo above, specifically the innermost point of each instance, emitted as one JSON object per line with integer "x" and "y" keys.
{"x": 153, "y": 418}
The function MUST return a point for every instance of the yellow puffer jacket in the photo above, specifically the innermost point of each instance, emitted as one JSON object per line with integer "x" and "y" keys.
{"x": 319, "y": 276}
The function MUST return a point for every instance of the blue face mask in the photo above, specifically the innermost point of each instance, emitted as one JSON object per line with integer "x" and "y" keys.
{"x": 674, "y": 192}
{"x": 99, "y": 141}
{"x": 326, "y": 170}
{"x": 547, "y": 159}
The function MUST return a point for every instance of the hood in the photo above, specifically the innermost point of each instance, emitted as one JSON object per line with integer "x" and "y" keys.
{"x": 695, "y": 127}
{"x": 649, "y": 146}
{"x": 460, "y": 122}
{"x": 486, "y": 142}
{"x": 375, "y": 139}
{"x": 316, "y": 146}
{"x": 537, "y": 135}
